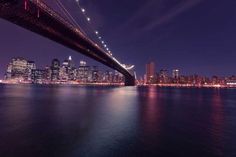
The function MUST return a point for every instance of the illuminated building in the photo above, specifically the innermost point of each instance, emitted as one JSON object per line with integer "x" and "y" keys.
{"x": 64, "y": 71}
{"x": 55, "y": 70}
{"x": 30, "y": 67}
{"x": 150, "y": 73}
{"x": 39, "y": 76}
{"x": 9, "y": 71}
{"x": 48, "y": 73}
{"x": 175, "y": 76}
{"x": 95, "y": 74}
{"x": 163, "y": 76}
{"x": 83, "y": 72}
{"x": 71, "y": 70}
{"x": 108, "y": 77}
{"x": 17, "y": 69}
{"x": 118, "y": 77}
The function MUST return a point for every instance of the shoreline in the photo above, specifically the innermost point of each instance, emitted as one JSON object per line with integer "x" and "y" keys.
{"x": 122, "y": 84}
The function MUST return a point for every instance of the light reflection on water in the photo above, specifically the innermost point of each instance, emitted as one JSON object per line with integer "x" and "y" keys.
{"x": 116, "y": 121}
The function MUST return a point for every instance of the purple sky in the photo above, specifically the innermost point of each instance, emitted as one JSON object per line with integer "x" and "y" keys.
{"x": 196, "y": 36}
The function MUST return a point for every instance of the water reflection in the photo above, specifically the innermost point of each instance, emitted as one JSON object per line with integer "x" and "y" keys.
{"x": 217, "y": 118}
{"x": 76, "y": 121}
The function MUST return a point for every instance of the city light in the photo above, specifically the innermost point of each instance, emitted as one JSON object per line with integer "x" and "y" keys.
{"x": 88, "y": 19}
{"x": 22, "y": 71}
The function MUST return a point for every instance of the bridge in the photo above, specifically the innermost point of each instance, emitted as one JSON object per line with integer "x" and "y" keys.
{"x": 38, "y": 17}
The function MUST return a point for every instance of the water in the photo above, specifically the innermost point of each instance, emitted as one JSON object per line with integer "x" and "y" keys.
{"x": 73, "y": 121}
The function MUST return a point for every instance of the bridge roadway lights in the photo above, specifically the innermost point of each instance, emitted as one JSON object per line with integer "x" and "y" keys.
{"x": 129, "y": 81}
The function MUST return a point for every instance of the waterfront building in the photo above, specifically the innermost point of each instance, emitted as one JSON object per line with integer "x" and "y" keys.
{"x": 17, "y": 69}
{"x": 95, "y": 74}
{"x": 163, "y": 76}
{"x": 64, "y": 71}
{"x": 150, "y": 73}
{"x": 30, "y": 67}
{"x": 39, "y": 76}
{"x": 55, "y": 70}
{"x": 48, "y": 73}
{"x": 175, "y": 76}
{"x": 83, "y": 72}
{"x": 175, "y": 73}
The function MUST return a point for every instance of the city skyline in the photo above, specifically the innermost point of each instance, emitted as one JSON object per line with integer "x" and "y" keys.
{"x": 124, "y": 78}
{"x": 22, "y": 70}
{"x": 154, "y": 70}
{"x": 209, "y": 51}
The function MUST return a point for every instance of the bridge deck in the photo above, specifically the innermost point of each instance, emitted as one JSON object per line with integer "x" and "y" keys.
{"x": 42, "y": 20}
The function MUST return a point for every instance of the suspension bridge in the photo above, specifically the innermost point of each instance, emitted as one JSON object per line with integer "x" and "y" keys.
{"x": 37, "y": 16}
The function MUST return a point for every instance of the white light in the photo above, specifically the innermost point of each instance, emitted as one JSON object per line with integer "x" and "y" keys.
{"x": 88, "y": 19}
{"x": 107, "y": 49}
{"x": 96, "y": 32}
{"x": 100, "y": 37}
{"x": 102, "y": 42}
{"x": 105, "y": 45}
{"x": 83, "y": 10}
{"x": 0, "y": 81}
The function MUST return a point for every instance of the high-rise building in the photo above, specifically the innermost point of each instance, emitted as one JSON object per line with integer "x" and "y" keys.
{"x": 163, "y": 76}
{"x": 17, "y": 69}
{"x": 83, "y": 72}
{"x": 30, "y": 67}
{"x": 8, "y": 74}
{"x": 39, "y": 76}
{"x": 64, "y": 71}
{"x": 175, "y": 74}
{"x": 48, "y": 73}
{"x": 95, "y": 74}
{"x": 71, "y": 69}
{"x": 108, "y": 77}
{"x": 55, "y": 70}
{"x": 150, "y": 73}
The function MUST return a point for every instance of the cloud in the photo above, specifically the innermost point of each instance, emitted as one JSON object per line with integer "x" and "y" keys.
{"x": 172, "y": 13}
{"x": 156, "y": 13}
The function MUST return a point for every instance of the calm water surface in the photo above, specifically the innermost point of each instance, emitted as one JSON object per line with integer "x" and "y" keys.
{"x": 72, "y": 121}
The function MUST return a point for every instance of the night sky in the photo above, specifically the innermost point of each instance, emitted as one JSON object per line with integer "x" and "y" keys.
{"x": 195, "y": 36}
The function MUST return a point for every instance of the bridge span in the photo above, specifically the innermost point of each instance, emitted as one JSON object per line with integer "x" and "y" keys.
{"x": 36, "y": 16}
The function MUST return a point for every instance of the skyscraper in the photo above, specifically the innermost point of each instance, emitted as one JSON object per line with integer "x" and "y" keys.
{"x": 64, "y": 71}
{"x": 175, "y": 74}
{"x": 17, "y": 69}
{"x": 30, "y": 67}
{"x": 55, "y": 68}
{"x": 83, "y": 72}
{"x": 163, "y": 76}
{"x": 150, "y": 73}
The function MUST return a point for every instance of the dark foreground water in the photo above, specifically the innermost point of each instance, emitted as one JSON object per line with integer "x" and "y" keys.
{"x": 72, "y": 121}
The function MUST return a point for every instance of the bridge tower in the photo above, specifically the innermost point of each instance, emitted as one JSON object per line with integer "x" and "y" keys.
{"x": 130, "y": 81}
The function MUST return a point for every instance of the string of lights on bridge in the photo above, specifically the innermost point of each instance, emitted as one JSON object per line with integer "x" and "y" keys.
{"x": 95, "y": 31}
{"x": 88, "y": 19}
{"x": 83, "y": 10}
